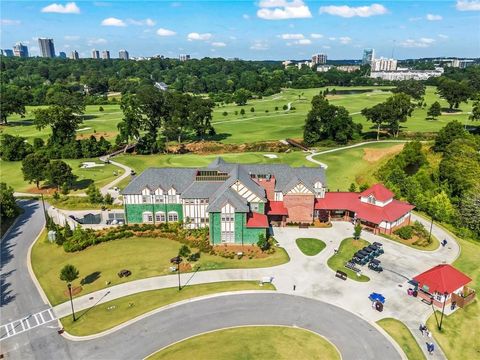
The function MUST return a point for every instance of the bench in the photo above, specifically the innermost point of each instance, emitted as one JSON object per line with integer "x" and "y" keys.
{"x": 351, "y": 266}
{"x": 341, "y": 275}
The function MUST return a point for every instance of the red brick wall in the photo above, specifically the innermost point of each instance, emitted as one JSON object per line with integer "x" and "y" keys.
{"x": 300, "y": 208}
{"x": 269, "y": 186}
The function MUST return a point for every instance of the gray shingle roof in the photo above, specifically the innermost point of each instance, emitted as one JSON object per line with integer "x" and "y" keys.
{"x": 183, "y": 179}
{"x": 228, "y": 196}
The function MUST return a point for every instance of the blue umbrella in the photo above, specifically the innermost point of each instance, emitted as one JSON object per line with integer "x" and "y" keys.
{"x": 377, "y": 297}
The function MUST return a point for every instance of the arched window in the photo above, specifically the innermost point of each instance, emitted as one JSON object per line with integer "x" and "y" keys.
{"x": 160, "y": 216}
{"x": 172, "y": 216}
{"x": 147, "y": 217}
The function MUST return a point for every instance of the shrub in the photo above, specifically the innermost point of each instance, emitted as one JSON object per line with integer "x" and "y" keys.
{"x": 225, "y": 113}
{"x": 405, "y": 232}
{"x": 357, "y": 231}
{"x": 100, "y": 108}
{"x": 262, "y": 242}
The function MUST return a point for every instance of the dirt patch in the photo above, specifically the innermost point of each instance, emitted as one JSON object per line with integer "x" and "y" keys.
{"x": 215, "y": 147}
{"x": 43, "y": 190}
{"x": 334, "y": 97}
{"x": 75, "y": 291}
{"x": 373, "y": 155}
{"x": 98, "y": 135}
{"x": 231, "y": 251}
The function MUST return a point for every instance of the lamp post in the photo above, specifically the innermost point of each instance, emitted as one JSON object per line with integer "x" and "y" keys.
{"x": 430, "y": 234}
{"x": 71, "y": 300}
{"x": 177, "y": 260}
{"x": 434, "y": 312}
{"x": 445, "y": 294}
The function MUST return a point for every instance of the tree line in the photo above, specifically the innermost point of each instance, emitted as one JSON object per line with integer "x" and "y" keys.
{"x": 448, "y": 190}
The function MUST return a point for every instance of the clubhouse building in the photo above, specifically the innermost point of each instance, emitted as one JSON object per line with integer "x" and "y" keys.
{"x": 238, "y": 202}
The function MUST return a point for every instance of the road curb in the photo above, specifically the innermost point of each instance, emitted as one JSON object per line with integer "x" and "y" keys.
{"x": 160, "y": 309}
{"x": 32, "y": 273}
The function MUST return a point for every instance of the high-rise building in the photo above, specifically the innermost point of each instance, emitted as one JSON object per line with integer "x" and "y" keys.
{"x": 123, "y": 54}
{"x": 105, "y": 54}
{"x": 7, "y": 52}
{"x": 20, "y": 50}
{"x": 368, "y": 56}
{"x": 95, "y": 54}
{"x": 62, "y": 55}
{"x": 74, "y": 55}
{"x": 184, "y": 57}
{"x": 46, "y": 47}
{"x": 383, "y": 64}
{"x": 319, "y": 59}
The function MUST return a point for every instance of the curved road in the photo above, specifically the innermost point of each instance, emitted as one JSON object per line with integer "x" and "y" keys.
{"x": 355, "y": 337}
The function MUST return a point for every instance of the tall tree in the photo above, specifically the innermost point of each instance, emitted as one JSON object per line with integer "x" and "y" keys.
{"x": 69, "y": 274}
{"x": 58, "y": 173}
{"x": 34, "y": 167}
{"x": 399, "y": 108}
{"x": 129, "y": 127}
{"x": 434, "y": 111}
{"x": 8, "y": 206}
{"x": 241, "y": 97}
{"x": 454, "y": 92}
{"x": 378, "y": 115}
{"x": 414, "y": 88}
{"x": 12, "y": 101}
{"x": 453, "y": 130}
{"x": 63, "y": 122}
{"x": 14, "y": 148}
{"x": 64, "y": 97}
{"x": 475, "y": 115}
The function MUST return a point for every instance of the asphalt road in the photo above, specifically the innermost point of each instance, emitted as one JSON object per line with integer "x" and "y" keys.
{"x": 355, "y": 338}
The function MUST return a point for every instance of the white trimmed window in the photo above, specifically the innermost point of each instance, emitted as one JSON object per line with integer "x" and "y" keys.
{"x": 147, "y": 217}
{"x": 172, "y": 216}
{"x": 160, "y": 216}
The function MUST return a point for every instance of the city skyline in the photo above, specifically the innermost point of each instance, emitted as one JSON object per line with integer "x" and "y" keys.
{"x": 267, "y": 29}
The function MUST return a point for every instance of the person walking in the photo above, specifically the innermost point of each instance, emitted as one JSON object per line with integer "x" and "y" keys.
{"x": 421, "y": 328}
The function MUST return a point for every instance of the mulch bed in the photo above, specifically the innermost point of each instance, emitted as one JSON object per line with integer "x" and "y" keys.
{"x": 75, "y": 291}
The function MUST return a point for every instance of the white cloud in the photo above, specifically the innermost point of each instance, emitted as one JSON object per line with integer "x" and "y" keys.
{"x": 349, "y": 11}
{"x": 468, "y": 5}
{"x": 331, "y": 38}
{"x": 196, "y": 36}
{"x": 71, "y": 37}
{"x": 442, "y": 36}
{"x": 345, "y": 40}
{"x": 433, "y": 17}
{"x": 419, "y": 43}
{"x": 218, "y": 44}
{"x": 316, "y": 36}
{"x": 68, "y": 8}
{"x": 111, "y": 21}
{"x": 304, "y": 42}
{"x": 246, "y": 16}
{"x": 9, "y": 22}
{"x": 259, "y": 45}
{"x": 96, "y": 41}
{"x": 145, "y": 22}
{"x": 291, "y": 36}
{"x": 165, "y": 32}
{"x": 283, "y": 9}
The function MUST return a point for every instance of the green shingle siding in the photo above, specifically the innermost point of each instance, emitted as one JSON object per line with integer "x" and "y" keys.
{"x": 134, "y": 211}
{"x": 214, "y": 229}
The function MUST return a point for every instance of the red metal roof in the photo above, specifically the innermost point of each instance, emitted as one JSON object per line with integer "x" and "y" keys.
{"x": 276, "y": 208}
{"x": 379, "y": 192}
{"x": 256, "y": 220}
{"x": 442, "y": 278}
{"x": 351, "y": 201}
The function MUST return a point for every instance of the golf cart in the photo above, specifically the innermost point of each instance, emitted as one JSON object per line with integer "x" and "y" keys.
{"x": 375, "y": 265}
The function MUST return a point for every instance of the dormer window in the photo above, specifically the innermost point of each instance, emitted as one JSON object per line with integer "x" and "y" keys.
{"x": 371, "y": 200}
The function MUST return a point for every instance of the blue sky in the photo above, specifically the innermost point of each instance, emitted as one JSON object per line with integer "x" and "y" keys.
{"x": 263, "y": 29}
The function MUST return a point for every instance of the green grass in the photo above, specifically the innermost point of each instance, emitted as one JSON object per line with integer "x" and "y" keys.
{"x": 351, "y": 165}
{"x": 78, "y": 203}
{"x": 429, "y": 247}
{"x": 347, "y": 248}
{"x": 404, "y": 338}
{"x": 252, "y": 342}
{"x": 144, "y": 257}
{"x": 259, "y": 125}
{"x": 459, "y": 335}
{"x": 309, "y": 246}
{"x": 11, "y": 173}
{"x": 112, "y": 313}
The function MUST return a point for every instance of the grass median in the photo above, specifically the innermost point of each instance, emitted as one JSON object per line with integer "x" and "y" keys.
{"x": 252, "y": 342}
{"x": 112, "y": 313}
{"x": 404, "y": 338}
{"x": 310, "y": 246}
{"x": 345, "y": 252}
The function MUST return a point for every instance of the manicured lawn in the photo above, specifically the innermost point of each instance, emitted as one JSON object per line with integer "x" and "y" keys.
{"x": 310, "y": 246}
{"x": 402, "y": 335}
{"x": 459, "y": 337}
{"x": 259, "y": 125}
{"x": 77, "y": 203}
{"x": 112, "y": 313}
{"x": 11, "y": 173}
{"x": 347, "y": 248}
{"x": 253, "y": 342}
{"x": 356, "y": 165}
{"x": 429, "y": 247}
{"x": 144, "y": 257}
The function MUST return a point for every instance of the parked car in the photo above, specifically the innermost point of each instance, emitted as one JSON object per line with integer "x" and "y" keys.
{"x": 124, "y": 273}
